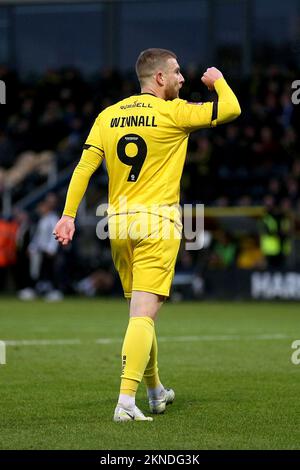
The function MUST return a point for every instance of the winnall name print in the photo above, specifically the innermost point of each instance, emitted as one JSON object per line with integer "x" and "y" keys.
{"x": 2, "y": 92}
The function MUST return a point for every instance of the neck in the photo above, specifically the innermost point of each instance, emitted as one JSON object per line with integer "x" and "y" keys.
{"x": 154, "y": 91}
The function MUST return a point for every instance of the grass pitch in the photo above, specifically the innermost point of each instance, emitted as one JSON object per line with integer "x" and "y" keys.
{"x": 229, "y": 363}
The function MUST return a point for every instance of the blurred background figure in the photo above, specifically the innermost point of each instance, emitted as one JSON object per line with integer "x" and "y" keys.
{"x": 99, "y": 282}
{"x": 8, "y": 251}
{"x": 223, "y": 251}
{"x": 22, "y": 275}
{"x": 250, "y": 255}
{"x": 275, "y": 241}
{"x": 43, "y": 249}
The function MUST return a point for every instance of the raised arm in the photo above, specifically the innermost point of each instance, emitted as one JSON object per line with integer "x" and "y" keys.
{"x": 226, "y": 108}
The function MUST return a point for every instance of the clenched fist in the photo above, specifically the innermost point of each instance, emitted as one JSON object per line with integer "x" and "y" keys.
{"x": 210, "y": 76}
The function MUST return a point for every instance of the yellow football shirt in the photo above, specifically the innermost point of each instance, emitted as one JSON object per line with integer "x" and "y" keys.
{"x": 143, "y": 140}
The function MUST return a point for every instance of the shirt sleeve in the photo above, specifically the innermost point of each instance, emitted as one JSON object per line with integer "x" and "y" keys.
{"x": 88, "y": 164}
{"x": 94, "y": 141}
{"x": 193, "y": 116}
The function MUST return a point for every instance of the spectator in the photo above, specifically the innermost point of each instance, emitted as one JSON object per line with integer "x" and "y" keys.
{"x": 23, "y": 236}
{"x": 223, "y": 251}
{"x": 275, "y": 234}
{"x": 43, "y": 250}
{"x": 8, "y": 252}
{"x": 250, "y": 255}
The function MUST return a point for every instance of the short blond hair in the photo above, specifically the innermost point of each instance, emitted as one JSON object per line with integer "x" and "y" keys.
{"x": 149, "y": 61}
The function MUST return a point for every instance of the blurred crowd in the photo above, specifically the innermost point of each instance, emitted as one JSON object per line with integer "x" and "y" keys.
{"x": 33, "y": 264}
{"x": 48, "y": 118}
{"x": 254, "y": 161}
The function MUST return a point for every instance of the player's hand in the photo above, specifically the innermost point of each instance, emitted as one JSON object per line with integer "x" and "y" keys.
{"x": 210, "y": 76}
{"x": 64, "y": 229}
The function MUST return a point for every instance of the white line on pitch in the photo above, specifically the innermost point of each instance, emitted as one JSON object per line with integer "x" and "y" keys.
{"x": 176, "y": 339}
{"x": 41, "y": 342}
{"x": 170, "y": 339}
{"x": 223, "y": 337}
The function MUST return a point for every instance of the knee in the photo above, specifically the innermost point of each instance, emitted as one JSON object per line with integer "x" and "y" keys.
{"x": 144, "y": 312}
{"x": 145, "y": 304}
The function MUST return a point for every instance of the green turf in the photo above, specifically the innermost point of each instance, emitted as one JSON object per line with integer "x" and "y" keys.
{"x": 239, "y": 393}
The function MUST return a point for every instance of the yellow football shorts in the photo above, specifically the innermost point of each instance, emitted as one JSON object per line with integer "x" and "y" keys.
{"x": 144, "y": 250}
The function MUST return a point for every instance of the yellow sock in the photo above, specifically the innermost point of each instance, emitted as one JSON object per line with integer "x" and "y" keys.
{"x": 135, "y": 353}
{"x": 151, "y": 376}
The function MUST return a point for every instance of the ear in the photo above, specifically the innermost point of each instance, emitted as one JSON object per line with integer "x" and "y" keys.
{"x": 160, "y": 79}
